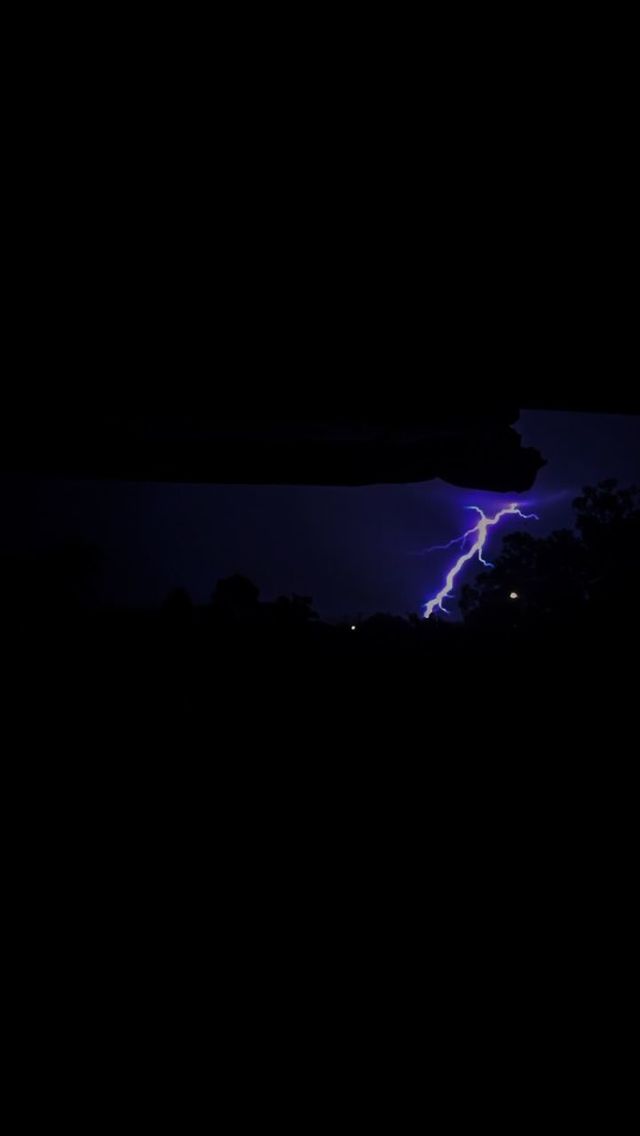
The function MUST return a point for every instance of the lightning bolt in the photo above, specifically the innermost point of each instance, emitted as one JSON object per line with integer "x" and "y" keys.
{"x": 479, "y": 533}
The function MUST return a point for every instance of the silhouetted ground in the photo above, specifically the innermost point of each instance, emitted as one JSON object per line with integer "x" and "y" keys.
{"x": 196, "y": 670}
{"x": 310, "y": 827}
{"x": 238, "y": 745}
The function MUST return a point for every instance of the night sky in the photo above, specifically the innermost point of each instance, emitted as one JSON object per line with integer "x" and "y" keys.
{"x": 353, "y": 550}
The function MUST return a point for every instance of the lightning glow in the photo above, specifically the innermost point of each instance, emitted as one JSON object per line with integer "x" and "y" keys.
{"x": 479, "y": 534}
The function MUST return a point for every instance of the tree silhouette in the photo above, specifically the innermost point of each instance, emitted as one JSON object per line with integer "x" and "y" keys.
{"x": 294, "y": 611}
{"x": 235, "y": 599}
{"x": 236, "y": 591}
{"x": 569, "y": 572}
{"x": 608, "y": 520}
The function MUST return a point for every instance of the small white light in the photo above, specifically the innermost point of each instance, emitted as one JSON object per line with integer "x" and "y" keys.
{"x": 514, "y": 596}
{"x": 353, "y": 626}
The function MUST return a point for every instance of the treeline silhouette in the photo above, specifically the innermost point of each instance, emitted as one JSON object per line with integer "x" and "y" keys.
{"x": 566, "y": 604}
{"x": 237, "y": 743}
